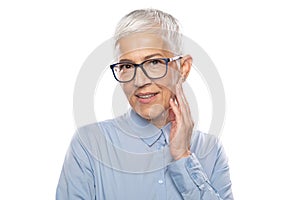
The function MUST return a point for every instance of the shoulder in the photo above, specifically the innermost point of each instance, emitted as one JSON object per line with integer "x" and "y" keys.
{"x": 95, "y": 129}
{"x": 209, "y": 151}
{"x": 91, "y": 134}
{"x": 204, "y": 144}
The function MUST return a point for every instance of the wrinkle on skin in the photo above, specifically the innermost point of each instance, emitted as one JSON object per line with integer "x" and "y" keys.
{"x": 139, "y": 47}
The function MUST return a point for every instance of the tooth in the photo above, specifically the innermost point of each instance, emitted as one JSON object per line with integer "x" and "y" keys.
{"x": 146, "y": 96}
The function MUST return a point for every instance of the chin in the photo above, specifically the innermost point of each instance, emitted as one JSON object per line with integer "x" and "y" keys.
{"x": 150, "y": 113}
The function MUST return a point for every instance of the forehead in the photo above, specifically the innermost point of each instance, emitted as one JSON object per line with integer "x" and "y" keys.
{"x": 139, "y": 45}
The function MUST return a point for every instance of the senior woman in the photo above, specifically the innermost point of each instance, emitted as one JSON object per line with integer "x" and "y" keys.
{"x": 152, "y": 151}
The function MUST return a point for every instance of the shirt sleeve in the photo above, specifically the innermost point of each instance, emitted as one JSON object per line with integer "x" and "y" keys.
{"x": 76, "y": 179}
{"x": 192, "y": 181}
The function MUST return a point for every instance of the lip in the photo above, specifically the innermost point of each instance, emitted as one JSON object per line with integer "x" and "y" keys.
{"x": 146, "y": 100}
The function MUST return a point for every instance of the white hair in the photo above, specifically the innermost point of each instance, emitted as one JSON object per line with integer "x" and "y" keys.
{"x": 151, "y": 21}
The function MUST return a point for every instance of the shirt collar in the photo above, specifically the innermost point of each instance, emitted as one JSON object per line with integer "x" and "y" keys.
{"x": 151, "y": 140}
{"x": 142, "y": 128}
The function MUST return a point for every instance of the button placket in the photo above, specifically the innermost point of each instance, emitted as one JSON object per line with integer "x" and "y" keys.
{"x": 160, "y": 145}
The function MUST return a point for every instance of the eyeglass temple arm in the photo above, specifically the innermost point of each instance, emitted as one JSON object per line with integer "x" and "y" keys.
{"x": 175, "y": 58}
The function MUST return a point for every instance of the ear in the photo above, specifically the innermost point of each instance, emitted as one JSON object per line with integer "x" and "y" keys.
{"x": 185, "y": 65}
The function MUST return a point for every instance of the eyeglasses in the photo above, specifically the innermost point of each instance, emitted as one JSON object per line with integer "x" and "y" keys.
{"x": 153, "y": 68}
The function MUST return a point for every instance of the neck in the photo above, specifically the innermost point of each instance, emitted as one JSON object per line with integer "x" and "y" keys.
{"x": 161, "y": 120}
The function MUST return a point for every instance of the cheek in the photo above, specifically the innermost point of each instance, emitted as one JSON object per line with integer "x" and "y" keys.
{"x": 128, "y": 90}
{"x": 167, "y": 94}
{"x": 170, "y": 80}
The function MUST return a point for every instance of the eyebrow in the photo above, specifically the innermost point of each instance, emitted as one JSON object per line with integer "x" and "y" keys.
{"x": 145, "y": 58}
{"x": 153, "y": 55}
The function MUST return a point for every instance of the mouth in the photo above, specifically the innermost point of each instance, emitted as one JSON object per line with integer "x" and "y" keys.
{"x": 146, "y": 97}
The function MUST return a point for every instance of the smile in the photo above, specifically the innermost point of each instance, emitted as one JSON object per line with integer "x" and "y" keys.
{"x": 146, "y": 97}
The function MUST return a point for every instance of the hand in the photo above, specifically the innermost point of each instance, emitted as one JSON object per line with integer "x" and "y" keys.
{"x": 182, "y": 125}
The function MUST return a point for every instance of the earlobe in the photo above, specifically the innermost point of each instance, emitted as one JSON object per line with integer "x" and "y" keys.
{"x": 186, "y": 64}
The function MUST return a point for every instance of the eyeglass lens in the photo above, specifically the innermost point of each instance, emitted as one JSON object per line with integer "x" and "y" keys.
{"x": 154, "y": 68}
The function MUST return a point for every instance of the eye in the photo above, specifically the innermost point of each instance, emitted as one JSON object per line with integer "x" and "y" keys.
{"x": 125, "y": 66}
{"x": 156, "y": 61}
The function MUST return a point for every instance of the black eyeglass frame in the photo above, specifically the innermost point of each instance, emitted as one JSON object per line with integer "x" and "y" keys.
{"x": 167, "y": 60}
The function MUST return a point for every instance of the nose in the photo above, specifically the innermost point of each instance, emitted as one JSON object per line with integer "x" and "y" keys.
{"x": 140, "y": 78}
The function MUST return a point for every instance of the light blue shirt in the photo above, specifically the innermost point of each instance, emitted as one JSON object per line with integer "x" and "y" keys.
{"x": 128, "y": 158}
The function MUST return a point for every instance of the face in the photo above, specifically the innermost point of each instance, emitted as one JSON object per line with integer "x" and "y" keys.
{"x": 149, "y": 98}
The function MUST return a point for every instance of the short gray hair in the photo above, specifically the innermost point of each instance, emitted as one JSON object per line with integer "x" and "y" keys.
{"x": 151, "y": 21}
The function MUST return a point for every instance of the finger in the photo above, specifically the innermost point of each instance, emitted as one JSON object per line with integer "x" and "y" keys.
{"x": 178, "y": 96}
{"x": 171, "y": 116}
{"x": 175, "y": 110}
{"x": 177, "y": 123}
{"x": 184, "y": 106}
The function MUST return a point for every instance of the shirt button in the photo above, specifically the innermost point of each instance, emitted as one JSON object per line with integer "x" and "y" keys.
{"x": 202, "y": 187}
{"x": 194, "y": 176}
{"x": 160, "y": 181}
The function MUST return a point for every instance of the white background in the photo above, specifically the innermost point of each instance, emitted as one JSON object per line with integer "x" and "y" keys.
{"x": 254, "y": 44}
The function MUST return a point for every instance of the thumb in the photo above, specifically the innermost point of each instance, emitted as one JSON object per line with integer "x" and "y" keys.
{"x": 171, "y": 116}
